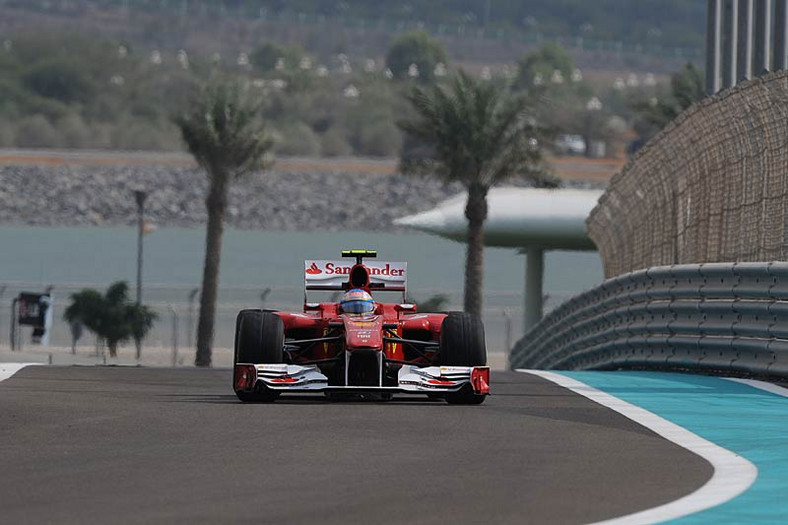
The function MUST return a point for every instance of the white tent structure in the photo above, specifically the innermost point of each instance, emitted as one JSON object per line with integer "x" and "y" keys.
{"x": 532, "y": 219}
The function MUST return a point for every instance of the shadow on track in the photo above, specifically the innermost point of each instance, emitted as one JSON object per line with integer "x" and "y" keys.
{"x": 231, "y": 399}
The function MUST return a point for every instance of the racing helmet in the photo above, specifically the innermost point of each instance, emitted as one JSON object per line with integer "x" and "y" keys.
{"x": 356, "y": 301}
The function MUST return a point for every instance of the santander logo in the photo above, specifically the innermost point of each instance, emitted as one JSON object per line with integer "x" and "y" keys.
{"x": 322, "y": 270}
{"x": 332, "y": 268}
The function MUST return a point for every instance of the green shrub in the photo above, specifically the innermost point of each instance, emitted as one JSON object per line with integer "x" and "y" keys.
{"x": 416, "y": 47}
{"x": 145, "y": 135}
{"x": 72, "y": 132}
{"x": 265, "y": 56}
{"x": 334, "y": 143}
{"x": 297, "y": 139}
{"x": 7, "y": 134}
{"x": 100, "y": 136}
{"x": 36, "y": 132}
{"x": 66, "y": 80}
{"x": 379, "y": 138}
{"x": 112, "y": 316}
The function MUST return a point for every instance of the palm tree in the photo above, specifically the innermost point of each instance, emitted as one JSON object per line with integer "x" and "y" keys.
{"x": 477, "y": 133}
{"x": 112, "y": 317}
{"x": 223, "y": 133}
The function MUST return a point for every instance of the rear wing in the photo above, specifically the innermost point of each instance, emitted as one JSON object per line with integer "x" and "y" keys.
{"x": 335, "y": 275}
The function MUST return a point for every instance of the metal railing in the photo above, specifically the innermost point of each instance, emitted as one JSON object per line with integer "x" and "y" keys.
{"x": 177, "y": 307}
{"x": 702, "y": 317}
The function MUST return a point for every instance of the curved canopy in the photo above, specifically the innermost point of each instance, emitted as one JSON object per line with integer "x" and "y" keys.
{"x": 517, "y": 217}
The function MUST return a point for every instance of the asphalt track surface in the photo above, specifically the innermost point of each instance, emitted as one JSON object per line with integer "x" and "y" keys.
{"x": 131, "y": 445}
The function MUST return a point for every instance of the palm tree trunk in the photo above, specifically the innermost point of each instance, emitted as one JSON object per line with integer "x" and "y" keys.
{"x": 476, "y": 213}
{"x": 216, "y": 203}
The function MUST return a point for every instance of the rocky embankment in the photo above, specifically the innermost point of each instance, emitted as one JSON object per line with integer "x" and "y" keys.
{"x": 274, "y": 200}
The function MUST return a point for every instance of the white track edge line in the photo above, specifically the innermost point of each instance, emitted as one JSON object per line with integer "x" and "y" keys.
{"x": 732, "y": 475}
{"x": 761, "y": 385}
{"x": 9, "y": 369}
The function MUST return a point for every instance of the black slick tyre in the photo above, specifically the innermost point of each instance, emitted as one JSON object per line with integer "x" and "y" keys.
{"x": 259, "y": 338}
{"x": 462, "y": 344}
{"x": 462, "y": 340}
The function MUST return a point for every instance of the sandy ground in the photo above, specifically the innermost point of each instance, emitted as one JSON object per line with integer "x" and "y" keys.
{"x": 568, "y": 168}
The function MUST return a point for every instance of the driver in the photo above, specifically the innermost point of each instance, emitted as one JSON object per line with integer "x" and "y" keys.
{"x": 357, "y": 302}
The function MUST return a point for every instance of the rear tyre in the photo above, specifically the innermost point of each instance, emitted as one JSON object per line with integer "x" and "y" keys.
{"x": 259, "y": 338}
{"x": 462, "y": 344}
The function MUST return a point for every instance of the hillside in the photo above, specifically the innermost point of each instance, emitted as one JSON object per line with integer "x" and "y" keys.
{"x": 111, "y": 74}
{"x": 473, "y": 30}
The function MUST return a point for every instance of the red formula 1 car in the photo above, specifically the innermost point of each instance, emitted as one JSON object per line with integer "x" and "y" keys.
{"x": 359, "y": 346}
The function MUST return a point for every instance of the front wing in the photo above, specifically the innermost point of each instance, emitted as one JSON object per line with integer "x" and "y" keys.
{"x": 410, "y": 379}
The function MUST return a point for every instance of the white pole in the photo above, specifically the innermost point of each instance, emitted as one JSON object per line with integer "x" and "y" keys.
{"x": 713, "y": 45}
{"x": 763, "y": 36}
{"x": 731, "y": 43}
{"x": 745, "y": 40}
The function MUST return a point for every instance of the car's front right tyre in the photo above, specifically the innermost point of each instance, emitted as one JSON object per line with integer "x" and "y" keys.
{"x": 259, "y": 338}
{"x": 462, "y": 343}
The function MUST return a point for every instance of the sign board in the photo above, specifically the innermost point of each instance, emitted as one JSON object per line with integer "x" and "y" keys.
{"x": 32, "y": 309}
{"x": 35, "y": 309}
{"x": 331, "y": 275}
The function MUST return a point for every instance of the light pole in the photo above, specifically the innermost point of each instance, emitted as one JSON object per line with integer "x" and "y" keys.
{"x": 140, "y": 196}
{"x": 593, "y": 108}
{"x": 2, "y": 293}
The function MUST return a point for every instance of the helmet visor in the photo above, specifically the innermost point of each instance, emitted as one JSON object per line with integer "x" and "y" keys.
{"x": 358, "y": 307}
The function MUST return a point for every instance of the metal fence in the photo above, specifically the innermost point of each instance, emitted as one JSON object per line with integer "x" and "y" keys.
{"x": 711, "y": 187}
{"x": 175, "y": 328}
{"x": 716, "y": 316}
